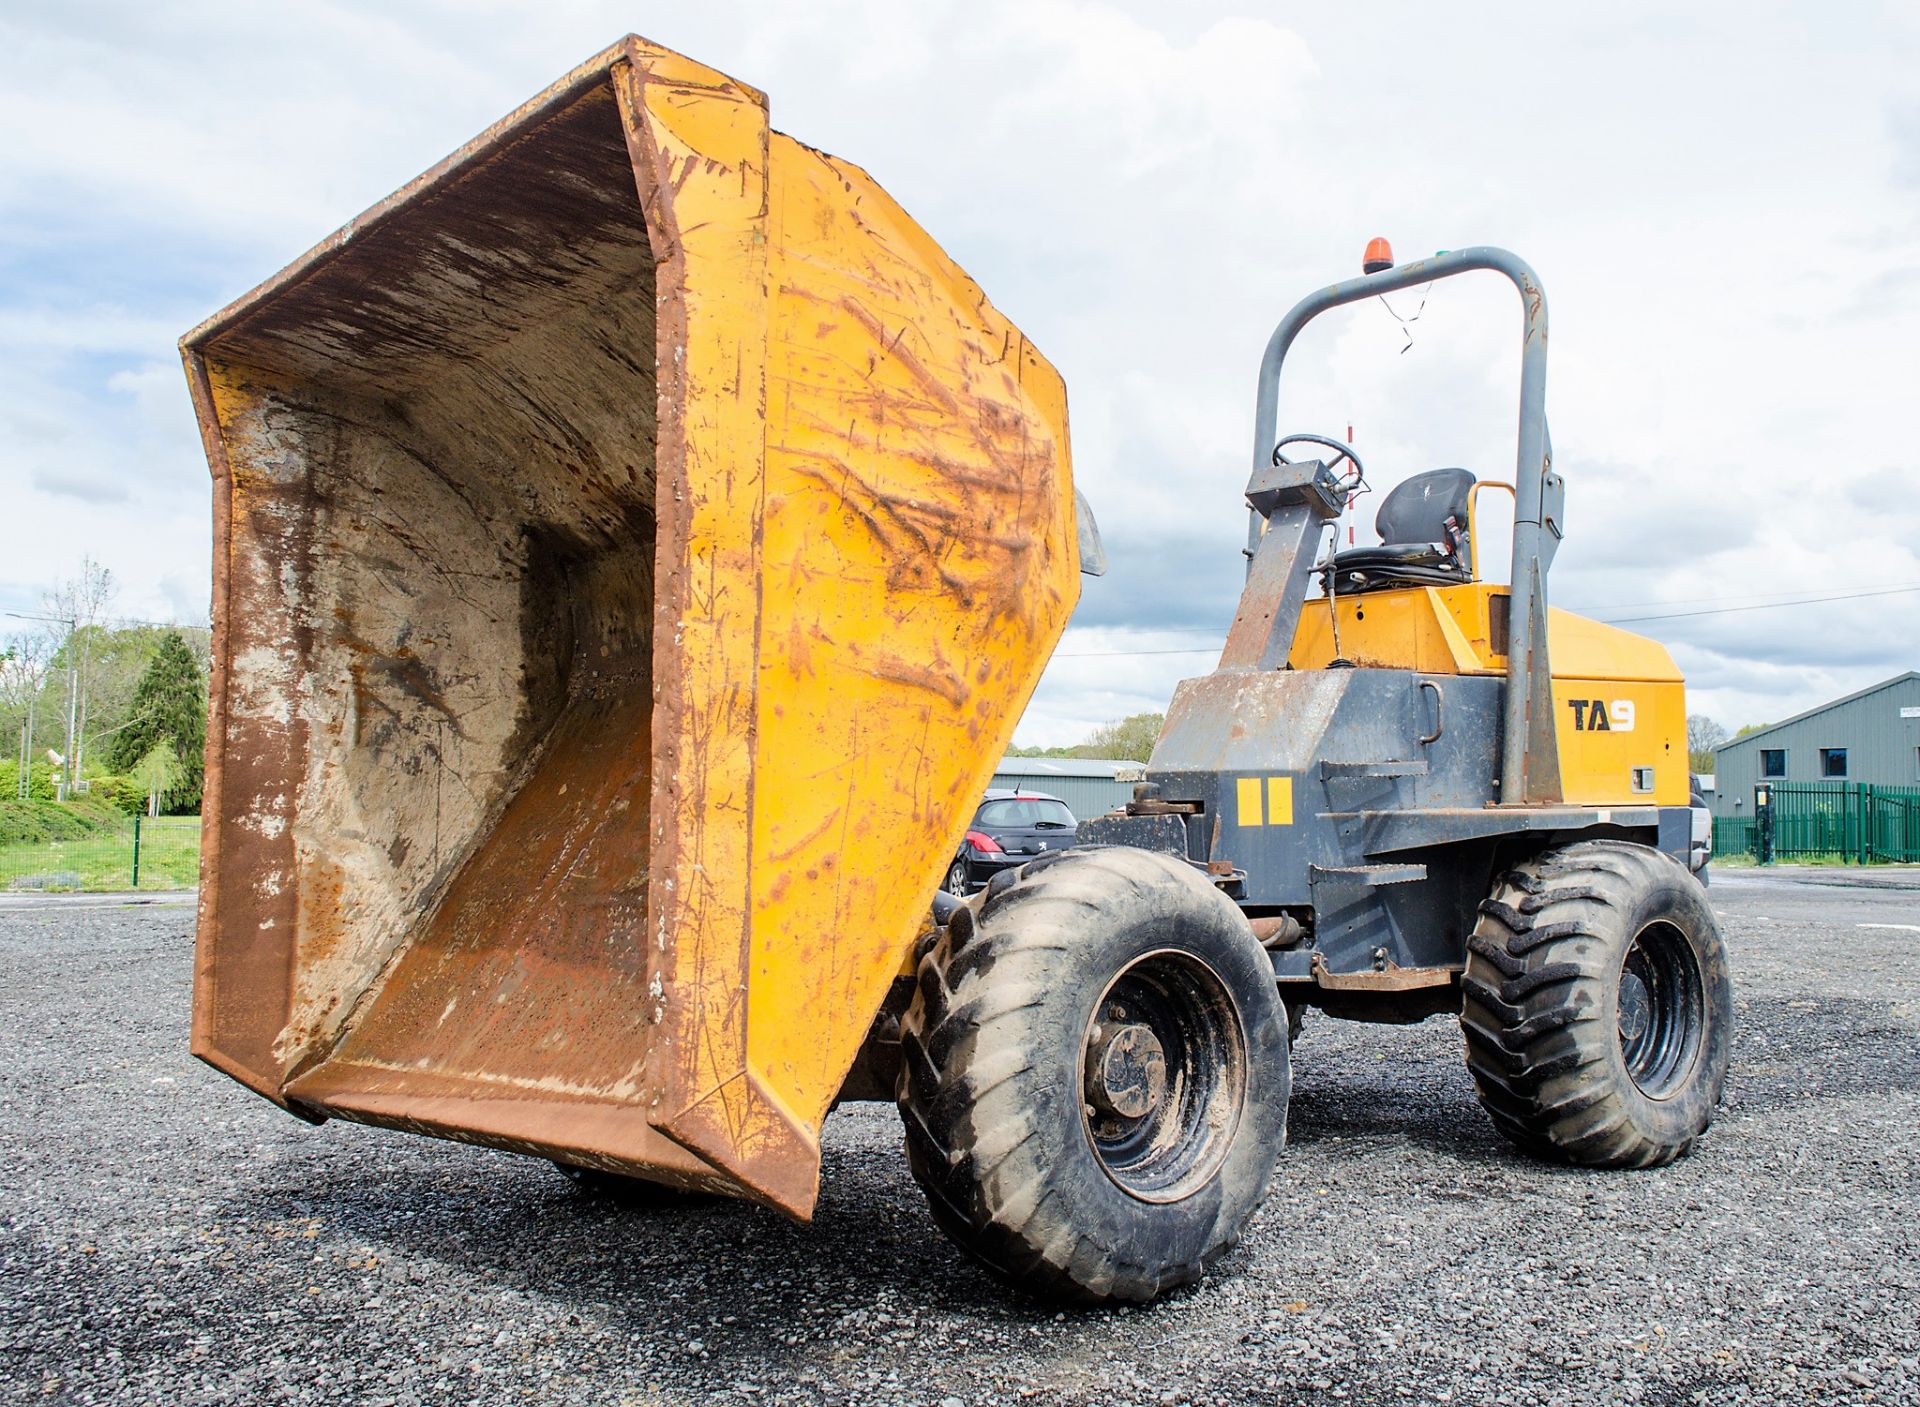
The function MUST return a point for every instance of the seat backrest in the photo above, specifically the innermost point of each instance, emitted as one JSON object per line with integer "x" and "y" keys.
{"x": 1417, "y": 510}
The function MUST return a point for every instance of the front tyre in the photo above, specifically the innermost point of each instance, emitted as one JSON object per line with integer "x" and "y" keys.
{"x": 1094, "y": 1075}
{"x": 1598, "y": 1011}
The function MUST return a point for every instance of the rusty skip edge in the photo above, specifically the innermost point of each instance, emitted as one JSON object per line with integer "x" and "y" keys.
{"x": 195, "y": 346}
{"x": 555, "y": 97}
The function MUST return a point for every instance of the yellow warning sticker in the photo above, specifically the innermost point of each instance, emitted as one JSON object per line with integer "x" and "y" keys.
{"x": 1275, "y": 809}
{"x": 1279, "y": 801}
{"x": 1250, "y": 802}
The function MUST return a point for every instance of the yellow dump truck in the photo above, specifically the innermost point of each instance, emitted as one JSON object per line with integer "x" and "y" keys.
{"x": 635, "y": 542}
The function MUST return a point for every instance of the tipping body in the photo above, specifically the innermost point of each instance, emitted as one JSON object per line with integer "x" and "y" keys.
{"x": 634, "y": 542}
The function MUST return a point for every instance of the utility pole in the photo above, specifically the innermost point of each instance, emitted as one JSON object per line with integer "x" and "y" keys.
{"x": 80, "y": 728}
{"x": 27, "y": 674}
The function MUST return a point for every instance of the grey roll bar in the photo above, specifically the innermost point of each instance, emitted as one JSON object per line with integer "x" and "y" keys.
{"x": 1529, "y": 758}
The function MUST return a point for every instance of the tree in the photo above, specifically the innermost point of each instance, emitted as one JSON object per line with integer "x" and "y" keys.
{"x": 117, "y": 657}
{"x": 1131, "y": 738}
{"x": 23, "y": 678}
{"x": 80, "y": 604}
{"x": 170, "y": 706}
{"x": 158, "y": 773}
{"x": 1703, "y": 736}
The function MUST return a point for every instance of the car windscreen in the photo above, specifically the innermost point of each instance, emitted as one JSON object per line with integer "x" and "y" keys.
{"x": 1024, "y": 811}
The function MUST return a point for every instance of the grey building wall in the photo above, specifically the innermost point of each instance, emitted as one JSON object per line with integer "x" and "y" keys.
{"x": 1086, "y": 784}
{"x": 1883, "y": 748}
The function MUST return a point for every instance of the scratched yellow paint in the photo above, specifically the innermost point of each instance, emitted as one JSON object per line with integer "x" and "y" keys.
{"x": 920, "y": 563}
{"x": 874, "y": 556}
{"x": 699, "y": 144}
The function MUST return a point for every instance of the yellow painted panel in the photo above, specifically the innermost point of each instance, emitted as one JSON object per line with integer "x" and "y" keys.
{"x": 919, "y": 562}
{"x": 1587, "y": 649}
{"x": 699, "y": 146}
{"x": 1608, "y": 727}
{"x": 1279, "y": 801}
{"x": 1449, "y": 630}
{"x": 1436, "y": 630}
{"x": 1248, "y": 811}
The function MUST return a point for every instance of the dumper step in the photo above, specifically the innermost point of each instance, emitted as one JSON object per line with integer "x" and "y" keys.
{"x": 1370, "y": 875}
{"x": 1409, "y": 767}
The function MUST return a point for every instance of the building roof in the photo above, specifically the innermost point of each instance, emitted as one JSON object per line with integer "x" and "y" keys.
{"x": 1759, "y": 733}
{"x": 1102, "y": 767}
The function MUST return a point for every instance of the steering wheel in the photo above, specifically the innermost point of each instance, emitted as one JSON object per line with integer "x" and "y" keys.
{"x": 1340, "y": 452}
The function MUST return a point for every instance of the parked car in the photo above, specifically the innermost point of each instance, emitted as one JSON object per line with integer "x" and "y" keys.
{"x": 1701, "y": 849}
{"x": 1010, "y": 828}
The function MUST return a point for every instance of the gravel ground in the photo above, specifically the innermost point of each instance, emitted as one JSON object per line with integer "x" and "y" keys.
{"x": 166, "y": 1237}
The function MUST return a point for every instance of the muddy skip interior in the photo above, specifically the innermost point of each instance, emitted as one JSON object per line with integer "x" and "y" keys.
{"x": 441, "y": 440}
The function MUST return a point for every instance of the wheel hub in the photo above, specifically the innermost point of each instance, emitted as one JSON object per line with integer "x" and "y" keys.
{"x": 1163, "y": 1076}
{"x": 1634, "y": 1006}
{"x": 1661, "y": 1010}
{"x": 1126, "y": 1070}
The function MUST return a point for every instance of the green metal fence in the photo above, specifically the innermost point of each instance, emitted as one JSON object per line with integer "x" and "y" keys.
{"x": 1851, "y": 822}
{"x": 1733, "y": 835}
{"x": 142, "y": 854}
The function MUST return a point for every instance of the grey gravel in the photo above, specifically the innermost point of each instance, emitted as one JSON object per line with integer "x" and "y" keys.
{"x": 166, "y": 1237}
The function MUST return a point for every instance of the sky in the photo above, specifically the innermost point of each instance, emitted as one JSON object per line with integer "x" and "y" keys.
{"x": 1723, "y": 201}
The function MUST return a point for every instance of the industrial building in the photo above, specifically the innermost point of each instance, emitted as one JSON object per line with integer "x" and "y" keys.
{"x": 1871, "y": 737}
{"x": 1090, "y": 786}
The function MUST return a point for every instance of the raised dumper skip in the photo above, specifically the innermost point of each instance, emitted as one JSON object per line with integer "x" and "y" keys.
{"x": 635, "y": 542}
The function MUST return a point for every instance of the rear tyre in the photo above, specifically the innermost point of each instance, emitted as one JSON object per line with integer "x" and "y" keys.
{"x": 1598, "y": 1010}
{"x": 956, "y": 884}
{"x": 1094, "y": 1075}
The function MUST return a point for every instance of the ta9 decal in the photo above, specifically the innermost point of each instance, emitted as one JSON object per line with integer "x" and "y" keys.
{"x": 1600, "y": 716}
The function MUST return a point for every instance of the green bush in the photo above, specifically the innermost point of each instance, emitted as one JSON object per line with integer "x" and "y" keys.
{"x": 123, "y": 794}
{"x": 33, "y": 822}
{"x": 39, "y": 781}
{"x": 96, "y": 813}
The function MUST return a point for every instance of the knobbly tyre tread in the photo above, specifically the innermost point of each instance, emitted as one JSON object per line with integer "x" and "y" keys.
{"x": 1539, "y": 1013}
{"x": 991, "y": 1026}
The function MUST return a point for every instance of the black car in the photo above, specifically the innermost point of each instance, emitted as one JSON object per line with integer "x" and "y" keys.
{"x": 1010, "y": 828}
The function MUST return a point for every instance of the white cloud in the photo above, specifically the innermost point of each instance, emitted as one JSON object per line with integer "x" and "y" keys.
{"x": 1724, "y": 205}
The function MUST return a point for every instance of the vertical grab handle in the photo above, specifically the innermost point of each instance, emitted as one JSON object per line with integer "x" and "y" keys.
{"x": 1439, "y": 711}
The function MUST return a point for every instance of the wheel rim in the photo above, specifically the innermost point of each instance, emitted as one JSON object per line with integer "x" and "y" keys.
{"x": 956, "y": 878}
{"x": 1163, "y": 1074}
{"x": 1661, "y": 1010}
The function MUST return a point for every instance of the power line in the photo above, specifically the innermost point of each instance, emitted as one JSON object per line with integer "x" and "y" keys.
{"x": 1746, "y": 596}
{"x": 1617, "y": 620}
{"x": 1740, "y": 597}
{"x": 1768, "y": 606}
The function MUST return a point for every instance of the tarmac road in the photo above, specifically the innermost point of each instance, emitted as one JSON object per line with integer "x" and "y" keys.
{"x": 166, "y": 1237}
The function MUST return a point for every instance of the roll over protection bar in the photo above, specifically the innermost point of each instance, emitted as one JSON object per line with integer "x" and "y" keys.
{"x": 1529, "y": 763}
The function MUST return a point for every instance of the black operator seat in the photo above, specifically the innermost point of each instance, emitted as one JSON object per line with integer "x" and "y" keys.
{"x": 1423, "y": 538}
